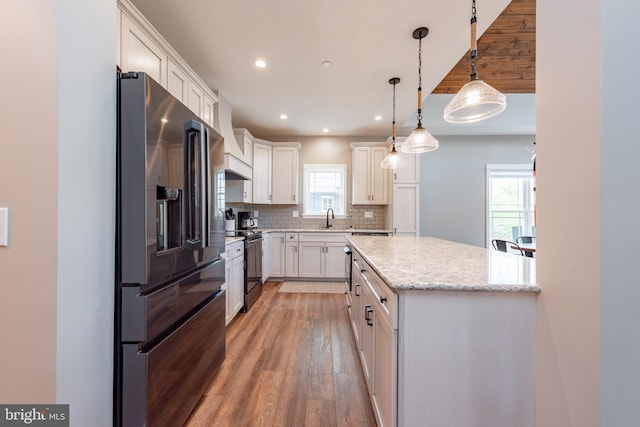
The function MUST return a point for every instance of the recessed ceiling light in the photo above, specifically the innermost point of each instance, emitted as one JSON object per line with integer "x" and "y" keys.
{"x": 260, "y": 63}
{"x": 378, "y": 117}
{"x": 326, "y": 64}
{"x": 283, "y": 116}
{"x": 325, "y": 130}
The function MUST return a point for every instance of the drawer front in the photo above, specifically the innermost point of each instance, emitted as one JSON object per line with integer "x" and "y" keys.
{"x": 291, "y": 237}
{"x": 323, "y": 237}
{"x": 237, "y": 249}
{"x": 385, "y": 299}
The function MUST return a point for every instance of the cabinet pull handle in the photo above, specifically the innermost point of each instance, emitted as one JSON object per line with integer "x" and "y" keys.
{"x": 245, "y": 194}
{"x": 294, "y": 197}
{"x": 367, "y": 311}
{"x": 383, "y": 299}
{"x": 355, "y": 289}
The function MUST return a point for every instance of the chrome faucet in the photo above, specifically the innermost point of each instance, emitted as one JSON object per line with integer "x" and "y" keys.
{"x": 333, "y": 216}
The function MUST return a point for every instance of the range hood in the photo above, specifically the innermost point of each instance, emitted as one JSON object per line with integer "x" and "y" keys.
{"x": 235, "y": 163}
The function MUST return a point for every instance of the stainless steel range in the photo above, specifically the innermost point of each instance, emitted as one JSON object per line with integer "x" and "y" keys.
{"x": 247, "y": 227}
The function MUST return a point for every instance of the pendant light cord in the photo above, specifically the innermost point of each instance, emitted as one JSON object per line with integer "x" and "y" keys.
{"x": 474, "y": 40}
{"x": 393, "y": 122}
{"x": 420, "y": 81}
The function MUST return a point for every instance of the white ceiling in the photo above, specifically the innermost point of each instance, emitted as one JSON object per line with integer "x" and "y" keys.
{"x": 367, "y": 42}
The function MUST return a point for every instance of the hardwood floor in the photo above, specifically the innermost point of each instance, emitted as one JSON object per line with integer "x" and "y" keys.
{"x": 291, "y": 361}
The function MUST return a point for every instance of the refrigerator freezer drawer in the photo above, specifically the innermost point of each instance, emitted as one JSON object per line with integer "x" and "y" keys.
{"x": 177, "y": 370}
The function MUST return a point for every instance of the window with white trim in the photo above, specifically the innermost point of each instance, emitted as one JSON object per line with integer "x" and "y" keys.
{"x": 510, "y": 202}
{"x": 324, "y": 187}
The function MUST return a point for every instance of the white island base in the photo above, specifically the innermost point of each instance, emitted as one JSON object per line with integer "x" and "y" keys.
{"x": 466, "y": 359}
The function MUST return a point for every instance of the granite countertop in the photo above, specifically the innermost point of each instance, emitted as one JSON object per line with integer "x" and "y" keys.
{"x": 232, "y": 239}
{"x": 427, "y": 263}
{"x": 324, "y": 230}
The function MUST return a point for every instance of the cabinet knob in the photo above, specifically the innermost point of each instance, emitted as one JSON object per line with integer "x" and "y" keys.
{"x": 363, "y": 271}
{"x": 383, "y": 299}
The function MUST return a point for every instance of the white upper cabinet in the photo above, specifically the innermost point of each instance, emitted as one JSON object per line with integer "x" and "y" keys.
{"x": 261, "y": 173}
{"x": 141, "y": 48}
{"x": 177, "y": 81}
{"x": 195, "y": 99}
{"x": 406, "y": 209}
{"x": 141, "y": 53}
{"x": 370, "y": 182}
{"x": 284, "y": 184}
{"x": 409, "y": 174}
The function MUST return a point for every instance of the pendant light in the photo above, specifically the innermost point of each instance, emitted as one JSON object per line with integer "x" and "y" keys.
{"x": 476, "y": 100}
{"x": 420, "y": 141}
{"x": 393, "y": 160}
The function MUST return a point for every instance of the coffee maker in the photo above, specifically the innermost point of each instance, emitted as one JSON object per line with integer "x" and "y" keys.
{"x": 246, "y": 221}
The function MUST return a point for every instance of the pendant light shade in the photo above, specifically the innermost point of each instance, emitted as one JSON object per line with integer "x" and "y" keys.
{"x": 476, "y": 100}
{"x": 393, "y": 160}
{"x": 420, "y": 141}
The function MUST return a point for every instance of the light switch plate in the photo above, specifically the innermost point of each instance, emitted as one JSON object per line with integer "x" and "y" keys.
{"x": 294, "y": 214}
{"x": 4, "y": 226}
{"x": 255, "y": 214}
{"x": 368, "y": 214}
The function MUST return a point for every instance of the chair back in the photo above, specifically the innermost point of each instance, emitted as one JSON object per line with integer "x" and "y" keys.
{"x": 505, "y": 246}
{"x": 526, "y": 239}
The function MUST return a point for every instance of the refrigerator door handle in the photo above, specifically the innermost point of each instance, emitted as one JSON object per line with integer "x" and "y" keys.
{"x": 195, "y": 184}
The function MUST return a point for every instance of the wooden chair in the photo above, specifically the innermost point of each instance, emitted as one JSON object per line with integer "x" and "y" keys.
{"x": 505, "y": 245}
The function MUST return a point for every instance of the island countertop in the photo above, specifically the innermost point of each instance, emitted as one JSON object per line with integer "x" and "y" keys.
{"x": 427, "y": 263}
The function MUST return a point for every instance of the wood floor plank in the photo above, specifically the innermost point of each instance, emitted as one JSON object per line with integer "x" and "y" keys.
{"x": 290, "y": 361}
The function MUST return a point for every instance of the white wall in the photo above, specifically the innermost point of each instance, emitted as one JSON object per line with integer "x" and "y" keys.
{"x": 29, "y": 188}
{"x": 620, "y": 290}
{"x": 452, "y": 183}
{"x": 86, "y": 208}
{"x": 57, "y": 173}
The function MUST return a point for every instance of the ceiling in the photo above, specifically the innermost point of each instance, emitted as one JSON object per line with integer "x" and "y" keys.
{"x": 367, "y": 43}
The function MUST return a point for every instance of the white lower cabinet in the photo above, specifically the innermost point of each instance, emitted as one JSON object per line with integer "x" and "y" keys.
{"x": 265, "y": 256}
{"x": 234, "y": 279}
{"x": 321, "y": 255}
{"x": 373, "y": 320}
{"x": 276, "y": 255}
{"x": 291, "y": 255}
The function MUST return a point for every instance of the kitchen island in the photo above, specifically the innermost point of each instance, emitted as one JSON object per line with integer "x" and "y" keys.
{"x": 445, "y": 331}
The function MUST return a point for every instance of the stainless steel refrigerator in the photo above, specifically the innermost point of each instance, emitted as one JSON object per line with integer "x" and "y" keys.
{"x": 170, "y": 310}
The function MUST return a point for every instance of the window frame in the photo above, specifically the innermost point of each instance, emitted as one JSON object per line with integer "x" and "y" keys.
{"x": 305, "y": 193}
{"x": 509, "y": 170}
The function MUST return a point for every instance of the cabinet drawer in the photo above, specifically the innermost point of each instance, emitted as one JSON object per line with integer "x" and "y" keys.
{"x": 323, "y": 237}
{"x": 384, "y": 298}
{"x": 291, "y": 237}
{"x": 236, "y": 249}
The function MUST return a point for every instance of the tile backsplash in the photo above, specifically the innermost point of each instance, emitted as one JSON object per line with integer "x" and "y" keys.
{"x": 281, "y": 216}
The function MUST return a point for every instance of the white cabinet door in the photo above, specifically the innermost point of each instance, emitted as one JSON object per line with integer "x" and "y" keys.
{"x": 237, "y": 285}
{"x": 379, "y": 184}
{"x": 207, "y": 110}
{"x": 357, "y": 300}
{"x": 276, "y": 255}
{"x": 141, "y": 53}
{"x": 384, "y": 372}
{"x": 195, "y": 99}
{"x": 311, "y": 261}
{"x": 370, "y": 181}
{"x": 291, "y": 259}
{"x": 265, "y": 257}
{"x": 284, "y": 185}
{"x": 261, "y": 174}
{"x": 406, "y": 209}
{"x": 367, "y": 353}
{"x": 177, "y": 81}
{"x": 409, "y": 174}
{"x": 228, "y": 266}
{"x": 360, "y": 172}
{"x": 334, "y": 260}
